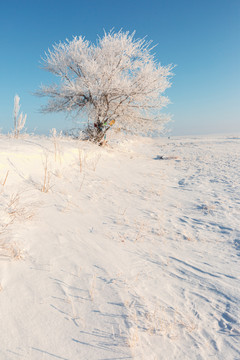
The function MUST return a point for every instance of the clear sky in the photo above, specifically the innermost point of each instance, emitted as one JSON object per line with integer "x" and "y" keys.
{"x": 201, "y": 37}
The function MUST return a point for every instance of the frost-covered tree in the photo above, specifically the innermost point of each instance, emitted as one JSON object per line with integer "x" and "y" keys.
{"x": 19, "y": 120}
{"x": 116, "y": 81}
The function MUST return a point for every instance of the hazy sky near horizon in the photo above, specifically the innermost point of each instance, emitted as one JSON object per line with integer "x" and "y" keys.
{"x": 201, "y": 37}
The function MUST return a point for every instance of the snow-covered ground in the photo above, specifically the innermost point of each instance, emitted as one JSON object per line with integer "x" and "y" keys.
{"x": 117, "y": 253}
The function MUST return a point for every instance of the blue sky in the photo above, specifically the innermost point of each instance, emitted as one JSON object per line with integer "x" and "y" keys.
{"x": 201, "y": 37}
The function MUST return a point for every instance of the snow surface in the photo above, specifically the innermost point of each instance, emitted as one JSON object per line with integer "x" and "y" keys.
{"x": 131, "y": 253}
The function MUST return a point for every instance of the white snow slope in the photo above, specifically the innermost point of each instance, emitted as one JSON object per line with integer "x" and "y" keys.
{"x": 121, "y": 254}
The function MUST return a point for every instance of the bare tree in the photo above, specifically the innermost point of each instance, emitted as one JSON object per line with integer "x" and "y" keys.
{"x": 115, "y": 81}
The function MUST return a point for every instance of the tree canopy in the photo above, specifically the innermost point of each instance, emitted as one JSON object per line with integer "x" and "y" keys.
{"x": 115, "y": 82}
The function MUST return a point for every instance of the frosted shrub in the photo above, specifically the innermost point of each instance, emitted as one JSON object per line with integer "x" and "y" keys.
{"x": 19, "y": 120}
{"x": 55, "y": 138}
{"x": 115, "y": 82}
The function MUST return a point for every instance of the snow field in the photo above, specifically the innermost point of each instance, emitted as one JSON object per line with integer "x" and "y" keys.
{"x": 113, "y": 253}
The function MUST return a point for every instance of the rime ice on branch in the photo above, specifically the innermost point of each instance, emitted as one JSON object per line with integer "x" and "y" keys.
{"x": 19, "y": 121}
{"x": 115, "y": 82}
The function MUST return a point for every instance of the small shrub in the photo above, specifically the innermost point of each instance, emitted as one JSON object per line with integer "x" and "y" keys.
{"x": 19, "y": 120}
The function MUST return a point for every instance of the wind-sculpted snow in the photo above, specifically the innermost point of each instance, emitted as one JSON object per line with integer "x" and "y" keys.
{"x": 132, "y": 252}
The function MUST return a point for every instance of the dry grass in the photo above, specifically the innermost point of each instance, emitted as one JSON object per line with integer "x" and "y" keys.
{"x": 12, "y": 211}
{"x": 208, "y": 209}
{"x": 81, "y": 185}
{"x": 122, "y": 237}
{"x": 122, "y": 212}
{"x": 55, "y": 138}
{"x": 156, "y": 320}
{"x": 4, "y": 226}
{"x": 140, "y": 232}
{"x": 4, "y": 179}
{"x": 10, "y": 251}
{"x": 16, "y": 210}
{"x": 135, "y": 232}
{"x": 81, "y": 158}
{"x": 47, "y": 175}
{"x": 188, "y": 237}
{"x": 95, "y": 161}
{"x": 133, "y": 337}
